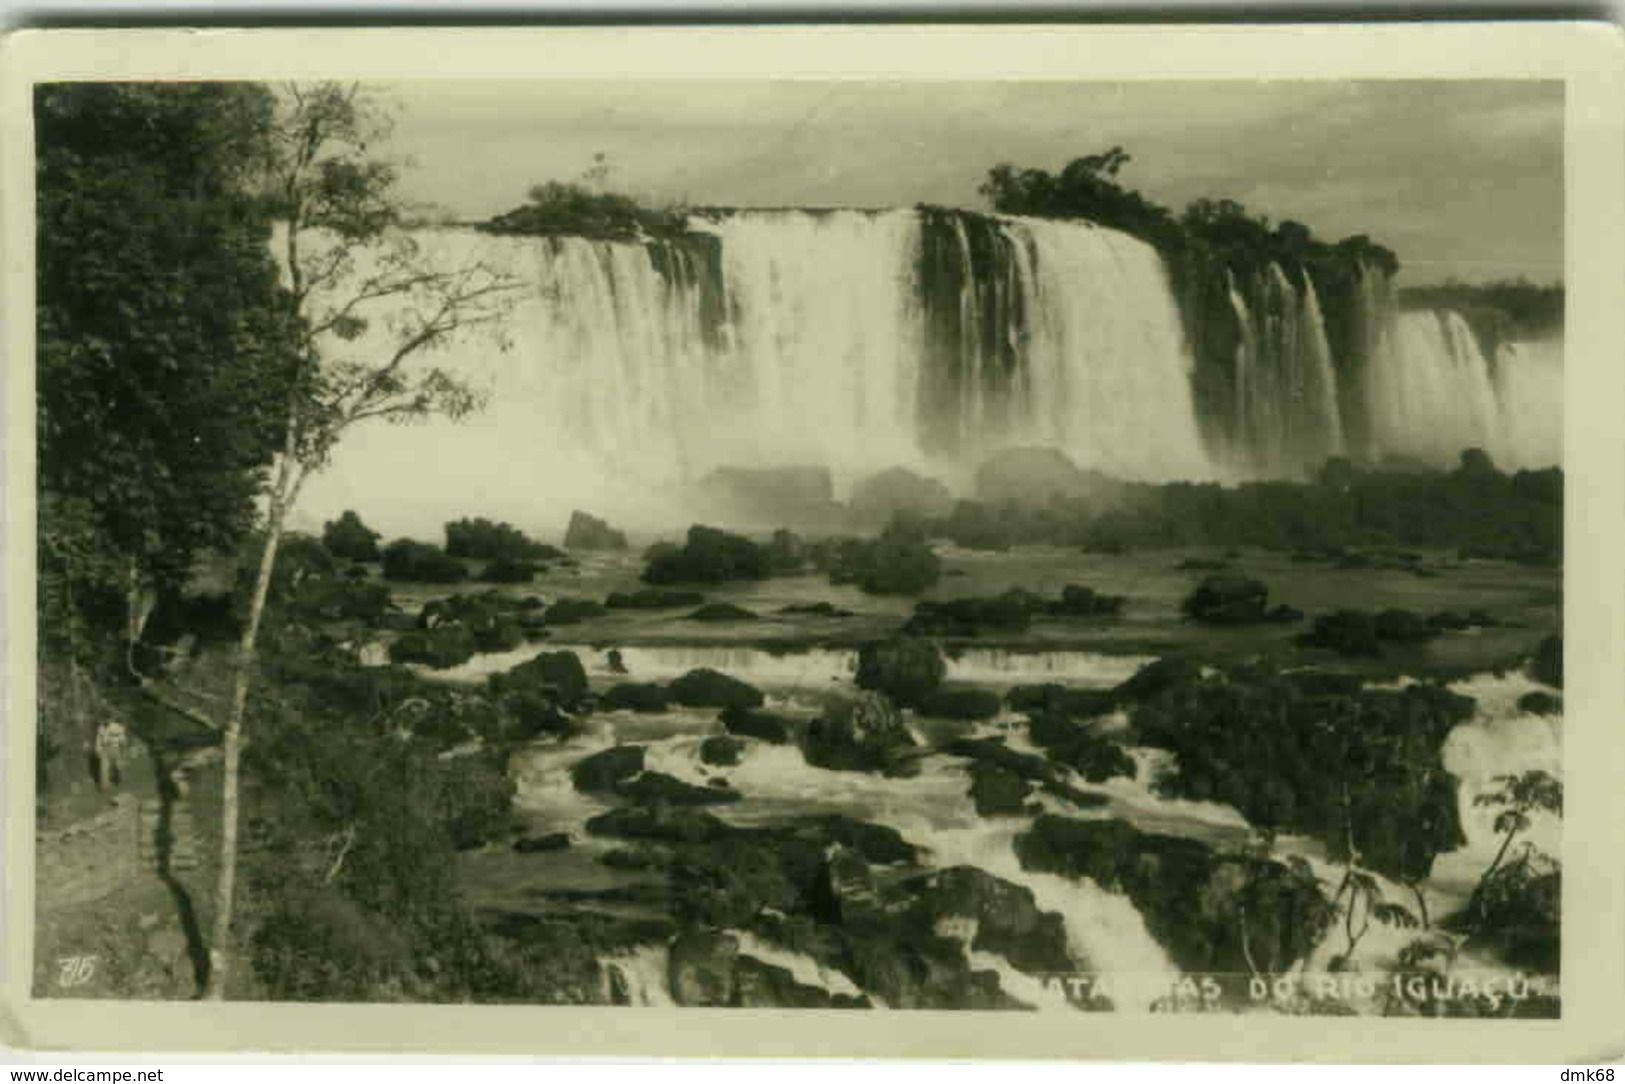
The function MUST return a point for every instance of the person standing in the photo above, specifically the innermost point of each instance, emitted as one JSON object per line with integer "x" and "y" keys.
{"x": 112, "y": 740}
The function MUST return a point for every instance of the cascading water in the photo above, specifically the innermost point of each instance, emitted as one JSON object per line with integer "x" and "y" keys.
{"x": 851, "y": 340}
{"x": 1288, "y": 419}
{"x": 1432, "y": 392}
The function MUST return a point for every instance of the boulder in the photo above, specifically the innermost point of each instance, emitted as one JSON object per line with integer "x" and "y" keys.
{"x": 905, "y": 669}
{"x": 653, "y": 598}
{"x": 993, "y": 751}
{"x": 440, "y": 648}
{"x": 852, "y": 886}
{"x": 640, "y": 696}
{"x": 1227, "y": 600}
{"x": 1075, "y": 745}
{"x": 815, "y": 609}
{"x": 558, "y": 674}
{"x": 707, "y": 688}
{"x": 1547, "y": 667}
{"x": 1211, "y": 912}
{"x": 1007, "y": 917}
{"x": 1155, "y": 678}
{"x": 508, "y": 570}
{"x": 1030, "y": 476}
{"x": 756, "y": 724}
{"x": 864, "y": 734}
{"x": 1080, "y": 601}
{"x": 1347, "y": 632}
{"x": 1010, "y": 612}
{"x": 701, "y": 968}
{"x": 588, "y": 532}
{"x": 721, "y": 750}
{"x": 883, "y": 497}
{"x": 657, "y": 788}
{"x": 1404, "y": 627}
{"x": 1540, "y": 703}
{"x": 555, "y": 841}
{"x": 602, "y": 771}
{"x": 960, "y": 704}
{"x": 721, "y": 611}
{"x": 569, "y": 611}
{"x": 997, "y": 792}
{"x": 660, "y": 823}
{"x": 1056, "y": 699}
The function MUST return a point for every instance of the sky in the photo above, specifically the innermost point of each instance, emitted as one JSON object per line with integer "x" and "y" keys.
{"x": 1463, "y": 179}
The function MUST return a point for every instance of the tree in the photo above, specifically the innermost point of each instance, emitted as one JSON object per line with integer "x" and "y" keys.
{"x": 162, "y": 330}
{"x": 367, "y": 306}
{"x": 1521, "y": 795}
{"x": 349, "y": 538}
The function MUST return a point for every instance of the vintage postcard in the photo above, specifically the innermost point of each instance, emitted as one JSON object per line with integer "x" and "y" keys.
{"x": 993, "y": 542}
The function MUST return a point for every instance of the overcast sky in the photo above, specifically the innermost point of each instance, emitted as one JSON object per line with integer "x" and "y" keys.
{"x": 1462, "y": 179}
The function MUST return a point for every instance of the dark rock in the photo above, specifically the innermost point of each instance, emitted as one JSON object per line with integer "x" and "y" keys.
{"x": 440, "y": 648}
{"x": 815, "y": 609}
{"x": 669, "y": 824}
{"x": 881, "y": 498}
{"x": 960, "y": 704}
{"x": 508, "y": 570}
{"x": 1228, "y": 600}
{"x": 852, "y": 887}
{"x": 863, "y": 734}
{"x": 641, "y": 696}
{"x": 1079, "y": 748}
{"x": 993, "y": 751}
{"x": 588, "y": 532}
{"x": 1404, "y": 627}
{"x": 570, "y": 611}
{"x": 707, "y": 556}
{"x": 1057, "y": 699}
{"x": 1155, "y": 678}
{"x": 653, "y": 598}
{"x": 1539, "y": 703}
{"x": 556, "y": 841}
{"x": 1079, "y": 601}
{"x": 1347, "y": 632}
{"x": 904, "y": 669}
{"x": 1201, "y": 564}
{"x": 1285, "y": 615}
{"x": 1324, "y": 682}
{"x": 556, "y": 673}
{"x": 721, "y": 751}
{"x": 1030, "y": 476}
{"x": 702, "y": 968}
{"x": 1547, "y": 667}
{"x": 1450, "y": 621}
{"x": 397, "y": 622}
{"x": 1008, "y": 919}
{"x": 997, "y": 792}
{"x": 756, "y": 724}
{"x": 707, "y": 688}
{"x": 761, "y": 985}
{"x": 722, "y": 611}
{"x": 501, "y": 632}
{"x": 657, "y": 788}
{"x": 1010, "y": 612}
{"x": 1211, "y": 912}
{"x": 603, "y": 770}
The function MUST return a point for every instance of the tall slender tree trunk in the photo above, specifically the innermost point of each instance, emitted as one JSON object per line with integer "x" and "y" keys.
{"x": 220, "y": 947}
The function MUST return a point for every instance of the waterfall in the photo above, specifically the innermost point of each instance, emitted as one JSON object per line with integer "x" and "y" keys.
{"x": 1432, "y": 394}
{"x": 849, "y": 340}
{"x": 1288, "y": 419}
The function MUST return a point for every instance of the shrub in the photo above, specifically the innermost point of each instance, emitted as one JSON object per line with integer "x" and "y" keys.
{"x": 707, "y": 556}
{"x": 905, "y": 669}
{"x": 350, "y": 539}
{"x": 419, "y": 562}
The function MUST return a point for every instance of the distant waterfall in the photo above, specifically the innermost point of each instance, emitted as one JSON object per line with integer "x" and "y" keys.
{"x": 1286, "y": 401}
{"x": 1432, "y": 392}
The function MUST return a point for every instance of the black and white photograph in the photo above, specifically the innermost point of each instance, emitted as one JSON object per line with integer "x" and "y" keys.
{"x": 1068, "y": 546}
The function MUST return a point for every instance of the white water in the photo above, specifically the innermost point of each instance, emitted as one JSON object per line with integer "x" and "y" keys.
{"x": 1107, "y": 376}
{"x": 811, "y": 670}
{"x": 608, "y": 391}
{"x": 1431, "y": 393}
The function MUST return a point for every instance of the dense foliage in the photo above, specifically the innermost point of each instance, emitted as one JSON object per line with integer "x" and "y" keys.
{"x": 1359, "y": 770}
{"x": 483, "y": 539}
{"x": 708, "y": 555}
{"x": 1497, "y": 311}
{"x": 162, "y": 332}
{"x": 420, "y": 562}
{"x": 576, "y": 210}
{"x": 349, "y": 538}
{"x": 1477, "y": 508}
